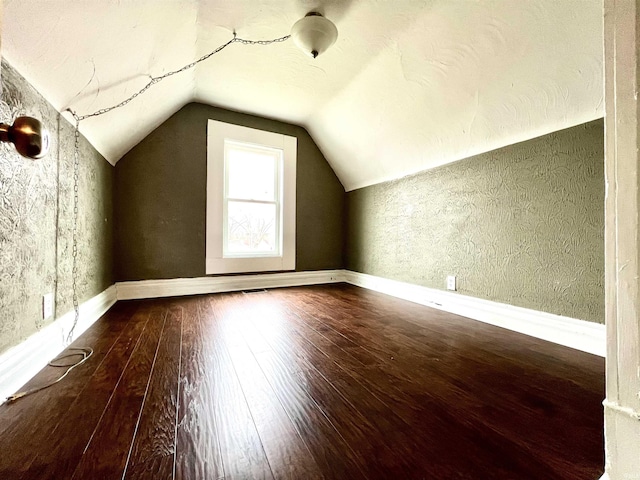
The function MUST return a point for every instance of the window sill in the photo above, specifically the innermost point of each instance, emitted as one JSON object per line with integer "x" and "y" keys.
{"x": 249, "y": 265}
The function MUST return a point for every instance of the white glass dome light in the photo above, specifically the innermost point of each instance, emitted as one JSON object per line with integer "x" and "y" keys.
{"x": 314, "y": 34}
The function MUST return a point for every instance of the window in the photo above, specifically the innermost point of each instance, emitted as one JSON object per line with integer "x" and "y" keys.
{"x": 250, "y": 200}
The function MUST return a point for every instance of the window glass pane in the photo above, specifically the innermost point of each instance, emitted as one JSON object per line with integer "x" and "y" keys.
{"x": 251, "y": 227}
{"x": 251, "y": 172}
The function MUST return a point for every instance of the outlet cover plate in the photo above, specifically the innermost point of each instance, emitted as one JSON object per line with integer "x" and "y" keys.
{"x": 451, "y": 282}
{"x": 47, "y": 306}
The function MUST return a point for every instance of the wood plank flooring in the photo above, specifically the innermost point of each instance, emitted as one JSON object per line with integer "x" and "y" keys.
{"x": 321, "y": 382}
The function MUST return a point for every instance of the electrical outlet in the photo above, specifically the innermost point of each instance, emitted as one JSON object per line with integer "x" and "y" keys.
{"x": 451, "y": 282}
{"x": 47, "y": 306}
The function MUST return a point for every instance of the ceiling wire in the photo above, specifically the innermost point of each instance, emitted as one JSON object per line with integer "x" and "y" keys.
{"x": 188, "y": 66}
{"x": 86, "y": 352}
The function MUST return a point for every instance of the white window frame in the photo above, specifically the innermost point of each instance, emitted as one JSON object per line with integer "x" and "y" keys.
{"x": 216, "y": 261}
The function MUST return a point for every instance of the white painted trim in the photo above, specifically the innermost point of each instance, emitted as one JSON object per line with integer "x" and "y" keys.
{"x": 579, "y": 334}
{"x": 585, "y": 336}
{"x": 215, "y": 261}
{"x": 604, "y": 477}
{"x": 230, "y": 283}
{"x": 20, "y": 363}
{"x": 622, "y": 238}
{"x": 629, "y": 412}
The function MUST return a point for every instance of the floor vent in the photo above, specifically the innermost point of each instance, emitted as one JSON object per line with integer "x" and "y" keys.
{"x": 257, "y": 290}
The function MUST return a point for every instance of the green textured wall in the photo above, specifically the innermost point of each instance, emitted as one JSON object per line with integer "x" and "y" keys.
{"x": 522, "y": 225}
{"x": 36, "y": 213}
{"x": 160, "y": 199}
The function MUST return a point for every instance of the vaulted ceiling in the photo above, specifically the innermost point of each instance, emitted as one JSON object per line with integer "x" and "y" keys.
{"x": 409, "y": 84}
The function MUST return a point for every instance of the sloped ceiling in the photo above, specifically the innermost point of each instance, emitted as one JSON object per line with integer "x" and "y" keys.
{"x": 409, "y": 84}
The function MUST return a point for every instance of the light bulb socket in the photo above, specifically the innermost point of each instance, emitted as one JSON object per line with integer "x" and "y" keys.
{"x": 28, "y": 135}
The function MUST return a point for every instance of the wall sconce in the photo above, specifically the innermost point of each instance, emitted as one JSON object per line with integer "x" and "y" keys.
{"x": 28, "y": 135}
{"x": 314, "y": 34}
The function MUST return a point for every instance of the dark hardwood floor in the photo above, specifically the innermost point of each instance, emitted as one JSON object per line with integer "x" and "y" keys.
{"x": 330, "y": 382}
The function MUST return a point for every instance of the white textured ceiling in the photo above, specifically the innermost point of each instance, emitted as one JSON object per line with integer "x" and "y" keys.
{"x": 409, "y": 84}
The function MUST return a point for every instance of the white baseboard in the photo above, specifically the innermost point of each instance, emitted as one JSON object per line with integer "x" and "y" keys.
{"x": 585, "y": 336}
{"x": 579, "y": 334}
{"x": 230, "y": 283}
{"x": 20, "y": 363}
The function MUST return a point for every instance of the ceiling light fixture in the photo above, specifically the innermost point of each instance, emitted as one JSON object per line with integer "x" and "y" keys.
{"x": 28, "y": 135}
{"x": 314, "y": 34}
